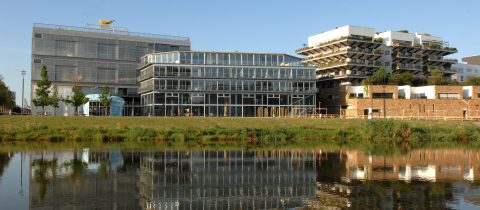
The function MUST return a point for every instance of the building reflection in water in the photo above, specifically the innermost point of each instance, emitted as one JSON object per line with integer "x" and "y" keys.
{"x": 425, "y": 179}
{"x": 81, "y": 179}
{"x": 275, "y": 179}
{"x": 227, "y": 179}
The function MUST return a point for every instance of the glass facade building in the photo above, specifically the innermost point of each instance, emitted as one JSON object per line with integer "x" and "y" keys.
{"x": 223, "y": 84}
{"x": 94, "y": 57}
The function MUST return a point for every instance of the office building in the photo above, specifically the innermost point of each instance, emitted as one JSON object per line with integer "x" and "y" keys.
{"x": 346, "y": 55}
{"x": 195, "y": 83}
{"x": 93, "y": 57}
{"x": 465, "y": 70}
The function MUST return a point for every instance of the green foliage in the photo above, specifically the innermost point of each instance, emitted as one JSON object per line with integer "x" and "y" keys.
{"x": 55, "y": 98}
{"x": 380, "y": 77}
{"x": 105, "y": 99}
{"x": 6, "y": 97}
{"x": 42, "y": 92}
{"x": 472, "y": 80}
{"x": 78, "y": 98}
{"x": 436, "y": 77}
{"x": 404, "y": 78}
{"x": 419, "y": 81}
{"x": 378, "y": 136}
{"x": 397, "y": 133}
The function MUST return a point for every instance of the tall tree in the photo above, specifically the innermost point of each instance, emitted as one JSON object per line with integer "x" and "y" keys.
{"x": 6, "y": 96}
{"x": 42, "y": 92}
{"x": 55, "y": 98}
{"x": 436, "y": 77}
{"x": 78, "y": 98}
{"x": 105, "y": 99}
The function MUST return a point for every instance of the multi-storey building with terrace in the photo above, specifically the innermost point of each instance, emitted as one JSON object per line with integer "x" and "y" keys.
{"x": 418, "y": 53}
{"x": 346, "y": 55}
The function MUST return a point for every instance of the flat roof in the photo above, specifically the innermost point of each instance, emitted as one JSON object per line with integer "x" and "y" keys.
{"x": 190, "y": 51}
{"x": 108, "y": 30}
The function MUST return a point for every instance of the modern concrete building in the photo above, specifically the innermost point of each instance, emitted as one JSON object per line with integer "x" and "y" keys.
{"x": 465, "y": 70}
{"x": 343, "y": 56}
{"x": 94, "y": 57}
{"x": 346, "y": 55}
{"x": 195, "y": 83}
{"x": 418, "y": 53}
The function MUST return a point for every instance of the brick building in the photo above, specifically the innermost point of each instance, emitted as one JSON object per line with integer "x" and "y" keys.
{"x": 402, "y": 102}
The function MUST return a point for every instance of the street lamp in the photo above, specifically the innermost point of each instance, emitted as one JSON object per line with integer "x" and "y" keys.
{"x": 23, "y": 72}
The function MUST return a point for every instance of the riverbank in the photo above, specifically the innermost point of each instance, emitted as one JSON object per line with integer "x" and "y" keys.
{"x": 131, "y": 132}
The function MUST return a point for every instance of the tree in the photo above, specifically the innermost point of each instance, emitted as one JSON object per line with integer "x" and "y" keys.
{"x": 55, "y": 97}
{"x": 42, "y": 92}
{"x": 436, "y": 77}
{"x": 78, "y": 98}
{"x": 380, "y": 77}
{"x": 6, "y": 96}
{"x": 404, "y": 78}
{"x": 472, "y": 80}
{"x": 105, "y": 99}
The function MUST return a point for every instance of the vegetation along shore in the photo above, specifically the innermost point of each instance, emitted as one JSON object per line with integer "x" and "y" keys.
{"x": 380, "y": 135}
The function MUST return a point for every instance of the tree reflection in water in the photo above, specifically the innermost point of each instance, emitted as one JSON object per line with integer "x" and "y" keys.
{"x": 4, "y": 160}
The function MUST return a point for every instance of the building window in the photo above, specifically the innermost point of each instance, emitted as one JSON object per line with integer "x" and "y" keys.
{"x": 65, "y": 48}
{"x": 382, "y": 95}
{"x": 106, "y": 51}
{"x": 448, "y": 96}
{"x": 38, "y": 36}
{"x": 418, "y": 96}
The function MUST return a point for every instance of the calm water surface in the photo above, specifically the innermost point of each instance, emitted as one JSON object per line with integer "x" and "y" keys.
{"x": 274, "y": 179}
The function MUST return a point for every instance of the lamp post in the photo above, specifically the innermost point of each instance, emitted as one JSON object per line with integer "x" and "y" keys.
{"x": 23, "y": 72}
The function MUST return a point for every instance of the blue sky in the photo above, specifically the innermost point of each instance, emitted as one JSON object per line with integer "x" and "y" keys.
{"x": 247, "y": 25}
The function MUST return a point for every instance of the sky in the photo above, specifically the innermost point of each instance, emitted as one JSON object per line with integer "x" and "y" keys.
{"x": 279, "y": 26}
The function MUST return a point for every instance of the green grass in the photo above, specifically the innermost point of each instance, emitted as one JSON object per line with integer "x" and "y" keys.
{"x": 381, "y": 136}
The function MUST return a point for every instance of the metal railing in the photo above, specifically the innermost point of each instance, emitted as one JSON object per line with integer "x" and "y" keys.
{"x": 109, "y": 30}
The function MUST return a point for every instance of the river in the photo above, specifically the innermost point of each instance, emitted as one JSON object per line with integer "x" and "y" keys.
{"x": 239, "y": 179}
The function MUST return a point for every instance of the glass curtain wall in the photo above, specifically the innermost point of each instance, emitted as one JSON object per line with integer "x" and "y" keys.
{"x": 226, "y": 85}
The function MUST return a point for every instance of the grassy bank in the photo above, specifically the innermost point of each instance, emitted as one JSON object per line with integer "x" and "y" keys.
{"x": 376, "y": 135}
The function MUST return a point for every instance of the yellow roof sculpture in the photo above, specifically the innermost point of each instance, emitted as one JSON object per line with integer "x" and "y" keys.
{"x": 106, "y": 22}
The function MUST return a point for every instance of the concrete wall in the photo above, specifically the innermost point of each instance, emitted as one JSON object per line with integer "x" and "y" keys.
{"x": 339, "y": 32}
{"x": 389, "y": 36}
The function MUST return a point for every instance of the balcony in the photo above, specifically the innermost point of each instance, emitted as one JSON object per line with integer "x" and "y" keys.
{"x": 406, "y": 46}
{"x": 438, "y": 48}
{"x": 403, "y": 66}
{"x": 340, "y": 39}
